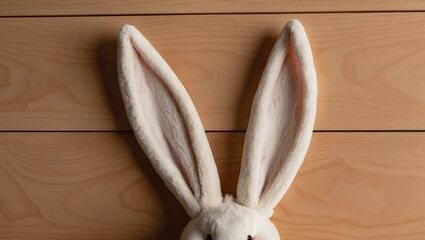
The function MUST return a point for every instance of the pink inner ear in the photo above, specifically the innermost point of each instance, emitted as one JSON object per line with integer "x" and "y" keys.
{"x": 283, "y": 114}
{"x": 164, "y": 123}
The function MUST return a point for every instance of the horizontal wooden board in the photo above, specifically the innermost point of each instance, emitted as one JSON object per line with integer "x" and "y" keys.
{"x": 60, "y": 73}
{"x": 100, "y": 186}
{"x": 105, "y": 7}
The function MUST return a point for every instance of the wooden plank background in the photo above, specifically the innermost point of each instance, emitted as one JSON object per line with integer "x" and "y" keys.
{"x": 108, "y": 7}
{"x": 60, "y": 73}
{"x": 70, "y": 167}
{"x": 100, "y": 185}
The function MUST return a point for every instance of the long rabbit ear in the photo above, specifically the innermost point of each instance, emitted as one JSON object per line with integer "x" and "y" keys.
{"x": 166, "y": 123}
{"x": 281, "y": 122}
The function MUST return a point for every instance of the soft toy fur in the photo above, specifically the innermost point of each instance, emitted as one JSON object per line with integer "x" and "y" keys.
{"x": 171, "y": 134}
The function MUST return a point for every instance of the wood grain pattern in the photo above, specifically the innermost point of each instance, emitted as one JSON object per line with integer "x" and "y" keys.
{"x": 59, "y": 73}
{"x": 81, "y": 7}
{"x": 100, "y": 186}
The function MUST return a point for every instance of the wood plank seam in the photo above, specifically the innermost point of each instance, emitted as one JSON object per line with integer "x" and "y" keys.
{"x": 46, "y": 7}
{"x": 205, "y": 14}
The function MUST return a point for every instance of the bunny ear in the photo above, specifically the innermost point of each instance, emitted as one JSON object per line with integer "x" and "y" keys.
{"x": 165, "y": 123}
{"x": 281, "y": 121}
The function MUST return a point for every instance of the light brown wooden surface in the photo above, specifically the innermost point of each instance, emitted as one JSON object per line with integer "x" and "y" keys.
{"x": 102, "y": 7}
{"x": 59, "y": 73}
{"x": 100, "y": 186}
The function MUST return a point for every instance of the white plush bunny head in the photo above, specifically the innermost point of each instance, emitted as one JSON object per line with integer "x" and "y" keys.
{"x": 230, "y": 220}
{"x": 170, "y": 132}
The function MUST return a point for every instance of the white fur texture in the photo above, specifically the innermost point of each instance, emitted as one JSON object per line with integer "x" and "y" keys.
{"x": 166, "y": 123}
{"x": 171, "y": 134}
{"x": 281, "y": 122}
{"x": 230, "y": 221}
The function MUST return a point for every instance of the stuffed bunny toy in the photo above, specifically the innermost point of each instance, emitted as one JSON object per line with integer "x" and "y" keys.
{"x": 170, "y": 132}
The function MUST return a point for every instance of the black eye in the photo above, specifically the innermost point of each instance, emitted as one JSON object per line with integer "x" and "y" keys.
{"x": 209, "y": 237}
{"x": 249, "y": 237}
